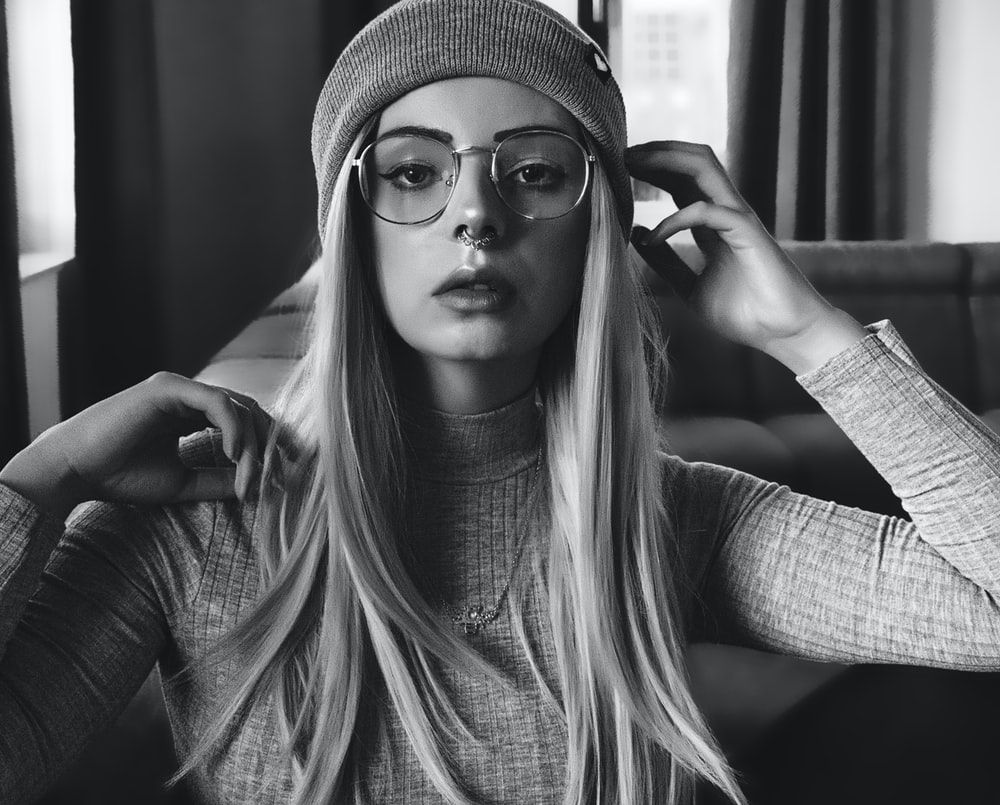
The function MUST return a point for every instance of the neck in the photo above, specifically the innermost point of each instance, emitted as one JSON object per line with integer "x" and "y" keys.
{"x": 464, "y": 386}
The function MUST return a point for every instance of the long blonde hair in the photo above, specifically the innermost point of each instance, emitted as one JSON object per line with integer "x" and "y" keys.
{"x": 338, "y": 604}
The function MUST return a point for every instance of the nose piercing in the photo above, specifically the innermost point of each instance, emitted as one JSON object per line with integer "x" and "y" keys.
{"x": 476, "y": 243}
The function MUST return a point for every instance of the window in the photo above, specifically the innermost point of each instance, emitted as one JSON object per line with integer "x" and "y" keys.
{"x": 41, "y": 96}
{"x": 41, "y": 99}
{"x": 565, "y": 7}
{"x": 670, "y": 57}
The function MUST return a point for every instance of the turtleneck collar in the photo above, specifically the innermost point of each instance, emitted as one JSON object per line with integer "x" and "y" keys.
{"x": 472, "y": 448}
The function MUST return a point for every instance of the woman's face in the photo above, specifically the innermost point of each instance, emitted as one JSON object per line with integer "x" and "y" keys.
{"x": 536, "y": 264}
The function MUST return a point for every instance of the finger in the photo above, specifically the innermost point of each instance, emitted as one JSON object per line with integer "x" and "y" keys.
{"x": 662, "y": 258}
{"x": 701, "y": 213}
{"x": 679, "y": 167}
{"x": 174, "y": 393}
{"x": 254, "y": 462}
{"x": 261, "y": 420}
{"x": 215, "y": 483}
{"x": 265, "y": 424}
{"x": 258, "y": 428}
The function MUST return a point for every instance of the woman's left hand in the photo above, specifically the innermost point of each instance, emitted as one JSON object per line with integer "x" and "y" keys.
{"x": 749, "y": 290}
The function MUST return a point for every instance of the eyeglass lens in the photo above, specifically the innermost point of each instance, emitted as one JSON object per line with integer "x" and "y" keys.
{"x": 408, "y": 178}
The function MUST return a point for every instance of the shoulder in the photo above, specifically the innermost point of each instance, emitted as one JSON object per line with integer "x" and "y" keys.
{"x": 168, "y": 549}
{"x": 704, "y": 503}
{"x": 693, "y": 487}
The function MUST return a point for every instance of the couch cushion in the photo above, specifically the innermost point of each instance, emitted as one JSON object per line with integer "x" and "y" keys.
{"x": 300, "y": 295}
{"x": 732, "y": 442}
{"x": 985, "y": 306}
{"x": 708, "y": 374}
{"x": 259, "y": 377}
{"x": 829, "y": 466}
{"x": 992, "y": 418}
{"x": 273, "y": 335}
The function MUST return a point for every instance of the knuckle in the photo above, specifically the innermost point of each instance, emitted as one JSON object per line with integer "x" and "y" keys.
{"x": 225, "y": 400}
{"x": 162, "y": 378}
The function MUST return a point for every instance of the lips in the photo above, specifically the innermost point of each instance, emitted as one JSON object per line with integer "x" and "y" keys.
{"x": 470, "y": 279}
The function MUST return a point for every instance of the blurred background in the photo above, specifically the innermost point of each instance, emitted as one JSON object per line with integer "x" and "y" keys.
{"x": 158, "y": 190}
{"x": 164, "y": 184}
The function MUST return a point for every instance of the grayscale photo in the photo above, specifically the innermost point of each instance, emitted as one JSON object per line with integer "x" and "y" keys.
{"x": 499, "y": 402}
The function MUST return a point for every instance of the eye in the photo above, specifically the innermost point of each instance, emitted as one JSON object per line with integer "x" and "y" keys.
{"x": 410, "y": 176}
{"x": 537, "y": 175}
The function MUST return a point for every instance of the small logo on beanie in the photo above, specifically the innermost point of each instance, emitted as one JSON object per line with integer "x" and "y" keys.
{"x": 596, "y": 60}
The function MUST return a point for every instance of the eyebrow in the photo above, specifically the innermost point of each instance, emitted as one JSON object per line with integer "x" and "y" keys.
{"x": 447, "y": 139}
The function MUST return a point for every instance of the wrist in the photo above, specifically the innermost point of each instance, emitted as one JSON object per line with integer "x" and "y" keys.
{"x": 828, "y": 335}
{"x": 51, "y": 487}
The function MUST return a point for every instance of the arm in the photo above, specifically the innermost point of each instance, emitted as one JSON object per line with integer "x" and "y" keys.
{"x": 789, "y": 573}
{"x": 27, "y": 538}
{"x": 79, "y": 637}
{"x": 797, "y": 574}
{"x": 83, "y": 642}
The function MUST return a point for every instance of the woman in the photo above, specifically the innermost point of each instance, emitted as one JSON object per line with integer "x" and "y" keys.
{"x": 457, "y": 566}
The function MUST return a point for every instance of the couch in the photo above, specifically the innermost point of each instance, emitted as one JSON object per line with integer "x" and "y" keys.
{"x": 732, "y": 406}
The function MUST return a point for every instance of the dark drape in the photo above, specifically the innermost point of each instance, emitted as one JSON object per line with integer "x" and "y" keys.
{"x": 195, "y": 191}
{"x": 108, "y": 305}
{"x": 815, "y": 124}
{"x": 13, "y": 391}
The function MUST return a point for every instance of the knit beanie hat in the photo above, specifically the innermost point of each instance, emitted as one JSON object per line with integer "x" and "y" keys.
{"x": 416, "y": 42}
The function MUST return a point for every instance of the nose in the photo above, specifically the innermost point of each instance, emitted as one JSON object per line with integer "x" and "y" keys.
{"x": 475, "y": 207}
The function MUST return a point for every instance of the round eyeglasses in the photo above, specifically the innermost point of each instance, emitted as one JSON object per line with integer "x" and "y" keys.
{"x": 410, "y": 178}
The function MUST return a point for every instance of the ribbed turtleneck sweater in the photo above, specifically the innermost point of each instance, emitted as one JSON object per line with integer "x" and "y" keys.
{"x": 474, "y": 477}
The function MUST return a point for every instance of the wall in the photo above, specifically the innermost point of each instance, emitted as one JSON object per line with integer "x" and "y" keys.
{"x": 38, "y": 303}
{"x": 964, "y": 166}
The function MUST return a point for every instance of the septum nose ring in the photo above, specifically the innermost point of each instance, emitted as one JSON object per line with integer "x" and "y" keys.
{"x": 476, "y": 243}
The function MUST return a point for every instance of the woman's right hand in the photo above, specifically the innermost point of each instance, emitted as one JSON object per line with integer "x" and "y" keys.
{"x": 124, "y": 448}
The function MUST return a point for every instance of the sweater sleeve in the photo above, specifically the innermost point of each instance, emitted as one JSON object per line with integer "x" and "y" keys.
{"x": 84, "y": 612}
{"x": 786, "y": 572}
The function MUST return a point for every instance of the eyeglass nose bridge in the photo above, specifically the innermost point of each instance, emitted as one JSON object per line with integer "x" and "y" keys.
{"x": 472, "y": 149}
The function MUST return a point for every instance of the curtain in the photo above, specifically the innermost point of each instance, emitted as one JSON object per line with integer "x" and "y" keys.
{"x": 13, "y": 390}
{"x": 195, "y": 192}
{"x": 815, "y": 126}
{"x": 108, "y": 311}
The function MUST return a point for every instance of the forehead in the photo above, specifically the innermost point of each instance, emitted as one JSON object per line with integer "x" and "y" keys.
{"x": 473, "y": 109}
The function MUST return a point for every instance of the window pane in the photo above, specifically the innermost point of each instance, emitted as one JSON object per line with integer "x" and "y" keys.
{"x": 41, "y": 94}
{"x": 565, "y": 7}
{"x": 670, "y": 57}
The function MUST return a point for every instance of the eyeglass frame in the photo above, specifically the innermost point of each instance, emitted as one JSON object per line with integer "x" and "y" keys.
{"x": 589, "y": 159}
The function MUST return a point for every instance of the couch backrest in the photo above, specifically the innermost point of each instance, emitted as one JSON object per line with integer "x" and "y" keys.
{"x": 984, "y": 304}
{"x": 944, "y": 299}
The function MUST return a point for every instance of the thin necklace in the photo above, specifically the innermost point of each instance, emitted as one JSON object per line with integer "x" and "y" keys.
{"x": 473, "y": 618}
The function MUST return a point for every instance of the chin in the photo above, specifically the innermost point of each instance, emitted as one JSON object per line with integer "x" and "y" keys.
{"x": 482, "y": 341}
{"x": 476, "y": 352}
